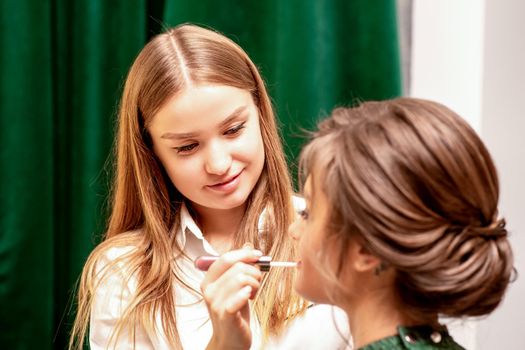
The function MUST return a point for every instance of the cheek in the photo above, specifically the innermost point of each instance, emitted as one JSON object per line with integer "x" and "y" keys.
{"x": 305, "y": 243}
{"x": 307, "y": 249}
{"x": 310, "y": 283}
{"x": 182, "y": 173}
{"x": 250, "y": 144}
{"x": 293, "y": 229}
{"x": 311, "y": 239}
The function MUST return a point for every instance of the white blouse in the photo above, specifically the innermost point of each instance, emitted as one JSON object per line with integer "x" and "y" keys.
{"x": 320, "y": 327}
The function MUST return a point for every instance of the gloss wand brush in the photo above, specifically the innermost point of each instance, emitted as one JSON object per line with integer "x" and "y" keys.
{"x": 203, "y": 263}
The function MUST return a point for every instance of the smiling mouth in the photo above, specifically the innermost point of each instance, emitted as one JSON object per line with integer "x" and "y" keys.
{"x": 226, "y": 182}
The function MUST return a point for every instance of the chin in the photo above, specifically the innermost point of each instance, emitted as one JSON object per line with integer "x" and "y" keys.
{"x": 228, "y": 203}
{"x": 311, "y": 293}
{"x": 236, "y": 200}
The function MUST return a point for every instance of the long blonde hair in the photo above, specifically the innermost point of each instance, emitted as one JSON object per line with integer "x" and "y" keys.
{"x": 146, "y": 205}
{"x": 414, "y": 182}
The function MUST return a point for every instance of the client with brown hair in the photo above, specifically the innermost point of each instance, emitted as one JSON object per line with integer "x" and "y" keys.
{"x": 401, "y": 224}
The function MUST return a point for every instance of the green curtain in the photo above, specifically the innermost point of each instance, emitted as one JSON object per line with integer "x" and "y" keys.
{"x": 62, "y": 66}
{"x": 62, "y": 63}
{"x": 314, "y": 54}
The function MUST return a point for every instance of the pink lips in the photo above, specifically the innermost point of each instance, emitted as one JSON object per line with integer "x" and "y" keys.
{"x": 228, "y": 185}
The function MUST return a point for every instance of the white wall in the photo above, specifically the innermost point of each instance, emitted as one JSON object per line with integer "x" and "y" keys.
{"x": 470, "y": 55}
{"x": 447, "y": 54}
{"x": 503, "y": 129}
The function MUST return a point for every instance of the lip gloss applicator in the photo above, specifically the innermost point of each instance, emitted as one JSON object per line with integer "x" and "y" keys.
{"x": 204, "y": 262}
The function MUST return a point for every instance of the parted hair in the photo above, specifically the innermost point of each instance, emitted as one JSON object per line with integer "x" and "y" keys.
{"x": 146, "y": 206}
{"x": 414, "y": 182}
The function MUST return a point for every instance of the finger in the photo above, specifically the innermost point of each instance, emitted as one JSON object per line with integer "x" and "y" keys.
{"x": 241, "y": 268}
{"x": 217, "y": 294}
{"x": 219, "y": 298}
{"x": 239, "y": 300}
{"x": 234, "y": 278}
{"x": 228, "y": 259}
{"x": 224, "y": 288}
{"x": 230, "y": 282}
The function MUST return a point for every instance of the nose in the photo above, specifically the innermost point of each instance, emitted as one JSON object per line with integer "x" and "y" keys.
{"x": 218, "y": 160}
{"x": 293, "y": 229}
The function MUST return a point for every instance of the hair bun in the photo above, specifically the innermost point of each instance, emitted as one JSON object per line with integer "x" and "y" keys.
{"x": 495, "y": 230}
{"x": 468, "y": 278}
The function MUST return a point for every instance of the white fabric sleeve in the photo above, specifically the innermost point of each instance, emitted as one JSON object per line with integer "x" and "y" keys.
{"x": 110, "y": 300}
{"x": 320, "y": 327}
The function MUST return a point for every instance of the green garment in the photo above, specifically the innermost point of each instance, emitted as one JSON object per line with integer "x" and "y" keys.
{"x": 416, "y": 338}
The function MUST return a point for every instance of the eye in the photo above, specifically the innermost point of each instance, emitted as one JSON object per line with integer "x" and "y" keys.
{"x": 186, "y": 148}
{"x": 304, "y": 214}
{"x": 235, "y": 130}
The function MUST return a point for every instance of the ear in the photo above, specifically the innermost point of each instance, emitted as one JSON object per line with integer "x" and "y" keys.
{"x": 363, "y": 260}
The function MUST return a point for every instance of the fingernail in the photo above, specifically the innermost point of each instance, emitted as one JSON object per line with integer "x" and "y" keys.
{"x": 257, "y": 252}
{"x": 246, "y": 290}
{"x": 248, "y": 245}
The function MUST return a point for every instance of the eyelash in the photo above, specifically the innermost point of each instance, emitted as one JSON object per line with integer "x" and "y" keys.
{"x": 235, "y": 129}
{"x": 230, "y": 132}
{"x": 304, "y": 214}
{"x": 186, "y": 148}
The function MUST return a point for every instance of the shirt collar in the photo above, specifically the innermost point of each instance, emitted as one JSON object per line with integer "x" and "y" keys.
{"x": 188, "y": 224}
{"x": 199, "y": 245}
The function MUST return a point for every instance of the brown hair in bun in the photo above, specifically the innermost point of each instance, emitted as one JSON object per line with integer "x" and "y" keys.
{"x": 415, "y": 182}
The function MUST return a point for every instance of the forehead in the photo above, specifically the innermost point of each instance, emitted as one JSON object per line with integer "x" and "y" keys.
{"x": 313, "y": 186}
{"x": 199, "y": 107}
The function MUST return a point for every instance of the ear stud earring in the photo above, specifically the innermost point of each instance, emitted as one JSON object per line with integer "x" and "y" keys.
{"x": 380, "y": 268}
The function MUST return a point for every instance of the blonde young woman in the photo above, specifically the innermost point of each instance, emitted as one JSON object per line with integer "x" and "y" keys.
{"x": 401, "y": 224}
{"x": 200, "y": 171}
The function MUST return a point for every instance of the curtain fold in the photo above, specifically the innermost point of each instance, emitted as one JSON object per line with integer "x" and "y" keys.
{"x": 26, "y": 176}
{"x": 94, "y": 43}
{"x": 62, "y": 66}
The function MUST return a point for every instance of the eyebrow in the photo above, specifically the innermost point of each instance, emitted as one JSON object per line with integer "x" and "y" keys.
{"x": 186, "y": 135}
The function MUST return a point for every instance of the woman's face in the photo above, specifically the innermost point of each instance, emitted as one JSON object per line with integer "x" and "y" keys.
{"x": 320, "y": 251}
{"x": 209, "y": 141}
{"x": 310, "y": 230}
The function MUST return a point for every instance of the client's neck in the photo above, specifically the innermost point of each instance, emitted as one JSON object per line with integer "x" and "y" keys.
{"x": 376, "y": 315}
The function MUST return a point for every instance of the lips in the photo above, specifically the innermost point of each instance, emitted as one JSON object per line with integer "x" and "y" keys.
{"x": 228, "y": 185}
{"x": 230, "y": 179}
